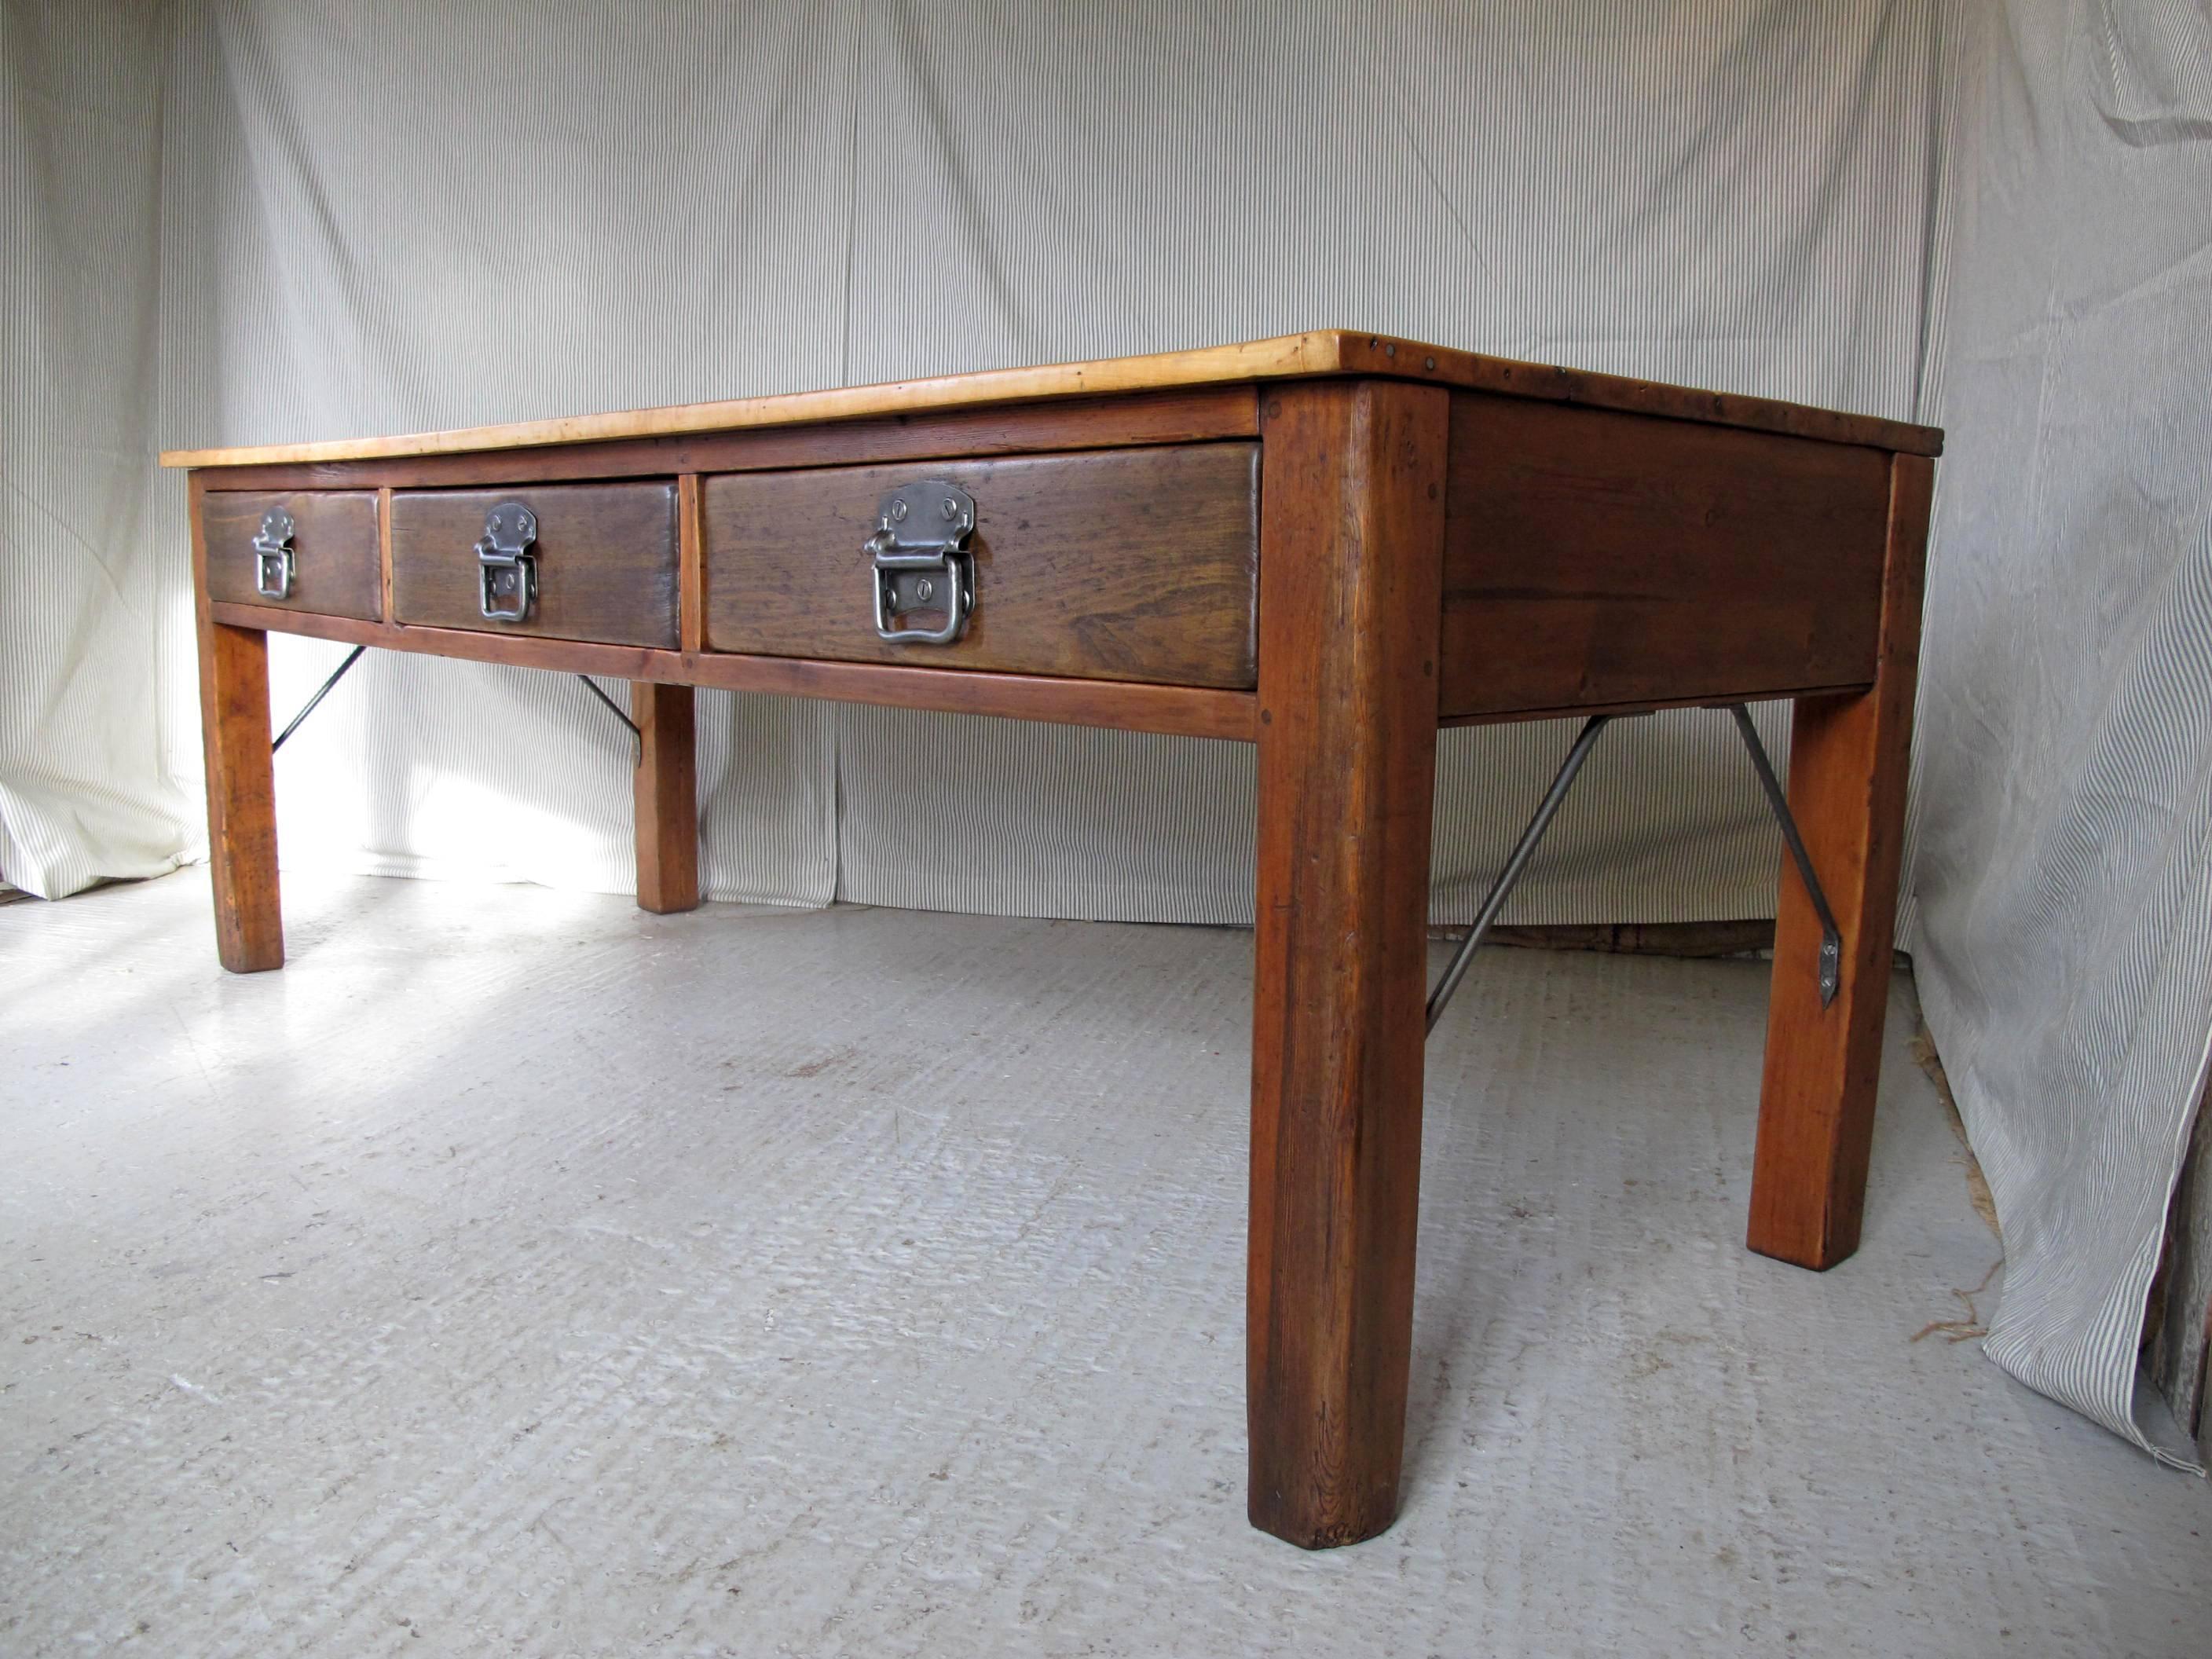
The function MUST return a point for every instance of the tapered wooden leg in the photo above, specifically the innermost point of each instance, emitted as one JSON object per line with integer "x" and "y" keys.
{"x": 1847, "y": 772}
{"x": 1350, "y": 590}
{"x": 249, "y": 921}
{"x": 668, "y": 799}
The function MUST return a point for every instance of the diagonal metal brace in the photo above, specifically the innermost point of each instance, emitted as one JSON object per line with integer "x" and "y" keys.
{"x": 1515, "y": 862}
{"x": 637, "y": 737}
{"x": 352, "y": 657}
{"x": 1831, "y": 936}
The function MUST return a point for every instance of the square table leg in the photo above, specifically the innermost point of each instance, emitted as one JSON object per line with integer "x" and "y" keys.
{"x": 241, "y": 777}
{"x": 666, "y": 799}
{"x": 1350, "y": 567}
{"x": 1848, "y": 758}
{"x": 241, "y": 797}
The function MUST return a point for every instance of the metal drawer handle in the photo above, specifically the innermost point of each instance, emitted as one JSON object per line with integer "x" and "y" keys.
{"x": 919, "y": 560}
{"x": 504, "y": 564}
{"x": 272, "y": 555}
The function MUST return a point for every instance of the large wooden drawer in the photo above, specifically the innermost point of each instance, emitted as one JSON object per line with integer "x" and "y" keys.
{"x": 604, "y": 558}
{"x": 336, "y": 567}
{"x": 1126, "y": 564}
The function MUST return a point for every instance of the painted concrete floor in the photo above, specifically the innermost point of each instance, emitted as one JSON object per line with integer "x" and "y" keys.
{"x": 518, "y": 1274}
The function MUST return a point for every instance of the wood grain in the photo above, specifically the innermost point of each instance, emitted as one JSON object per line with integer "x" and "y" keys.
{"x": 241, "y": 788}
{"x": 1319, "y": 352}
{"x": 383, "y": 551}
{"x": 606, "y": 561}
{"x": 1639, "y": 706}
{"x": 1131, "y": 564}
{"x": 668, "y": 799}
{"x": 335, "y": 564}
{"x": 690, "y": 566}
{"x": 1349, "y": 581}
{"x": 1847, "y": 761}
{"x": 1554, "y": 383}
{"x": 1598, "y": 560}
{"x": 1201, "y": 415}
{"x": 1177, "y": 710}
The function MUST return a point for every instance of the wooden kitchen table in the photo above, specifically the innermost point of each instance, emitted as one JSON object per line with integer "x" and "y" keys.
{"x": 1330, "y": 545}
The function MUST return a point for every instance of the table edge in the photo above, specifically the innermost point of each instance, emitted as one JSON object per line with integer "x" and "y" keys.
{"x": 1314, "y": 354}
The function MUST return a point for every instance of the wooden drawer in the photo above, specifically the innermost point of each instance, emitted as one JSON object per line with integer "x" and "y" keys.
{"x": 605, "y": 557}
{"x": 336, "y": 569}
{"x": 1127, "y": 564}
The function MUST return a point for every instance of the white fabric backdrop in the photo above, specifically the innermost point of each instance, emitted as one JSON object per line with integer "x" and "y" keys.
{"x": 449, "y": 213}
{"x": 427, "y": 213}
{"x": 90, "y": 781}
{"x": 2064, "y": 868}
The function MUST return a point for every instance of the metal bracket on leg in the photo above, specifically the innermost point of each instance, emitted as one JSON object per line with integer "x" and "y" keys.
{"x": 1515, "y": 863}
{"x": 1831, "y": 936}
{"x": 352, "y": 657}
{"x": 637, "y": 737}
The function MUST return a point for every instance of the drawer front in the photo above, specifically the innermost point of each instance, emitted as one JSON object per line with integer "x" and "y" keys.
{"x": 1128, "y": 564}
{"x": 604, "y": 561}
{"x": 336, "y": 569}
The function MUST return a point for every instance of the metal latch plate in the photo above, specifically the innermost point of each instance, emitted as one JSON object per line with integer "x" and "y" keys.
{"x": 273, "y": 563}
{"x": 507, "y": 568}
{"x": 919, "y": 560}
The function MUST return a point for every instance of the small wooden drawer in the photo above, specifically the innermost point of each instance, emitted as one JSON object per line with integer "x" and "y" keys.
{"x": 1126, "y": 564}
{"x": 602, "y": 561}
{"x": 321, "y": 547}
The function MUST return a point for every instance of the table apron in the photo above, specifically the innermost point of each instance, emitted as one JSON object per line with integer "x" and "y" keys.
{"x": 1127, "y": 706}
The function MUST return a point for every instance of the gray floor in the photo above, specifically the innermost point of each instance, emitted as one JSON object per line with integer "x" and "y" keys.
{"x": 517, "y": 1274}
